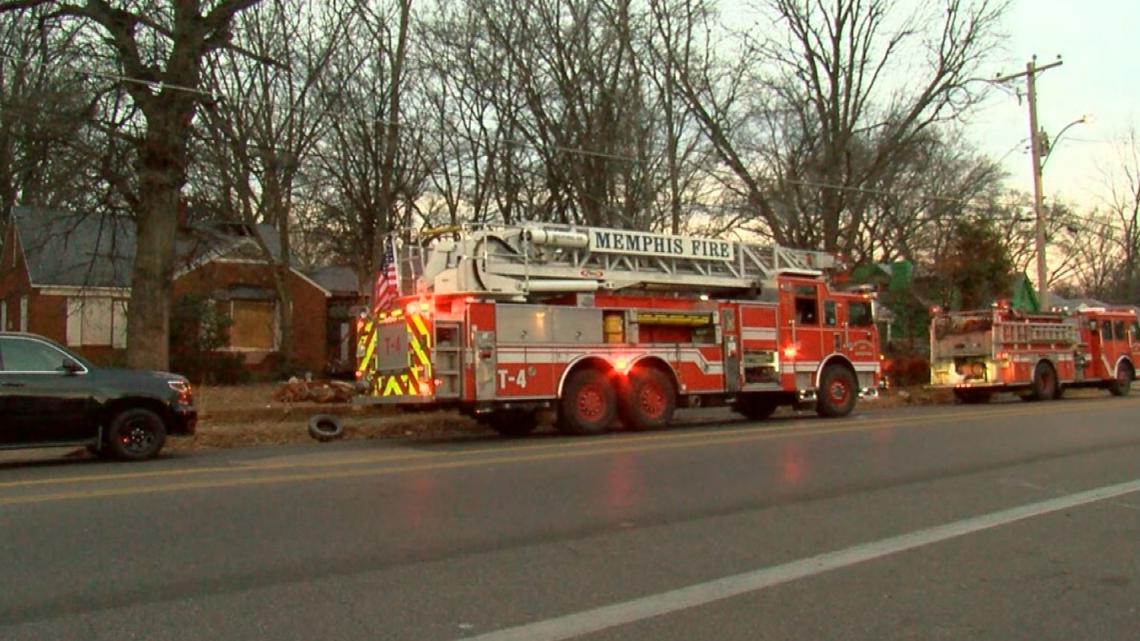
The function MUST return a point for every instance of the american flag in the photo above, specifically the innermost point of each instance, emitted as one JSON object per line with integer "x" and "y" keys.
{"x": 386, "y": 287}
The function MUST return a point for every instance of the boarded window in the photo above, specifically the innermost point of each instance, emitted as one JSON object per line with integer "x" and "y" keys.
{"x": 97, "y": 322}
{"x": 254, "y": 324}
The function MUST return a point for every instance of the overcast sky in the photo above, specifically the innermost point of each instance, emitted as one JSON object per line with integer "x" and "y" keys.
{"x": 1099, "y": 41}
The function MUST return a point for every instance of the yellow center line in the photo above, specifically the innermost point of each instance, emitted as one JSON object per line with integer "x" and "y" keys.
{"x": 518, "y": 455}
{"x": 800, "y": 428}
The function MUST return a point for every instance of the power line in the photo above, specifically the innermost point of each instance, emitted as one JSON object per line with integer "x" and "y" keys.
{"x": 158, "y": 85}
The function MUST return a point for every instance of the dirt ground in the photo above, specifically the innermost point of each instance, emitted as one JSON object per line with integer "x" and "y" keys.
{"x": 247, "y": 415}
{"x": 243, "y": 416}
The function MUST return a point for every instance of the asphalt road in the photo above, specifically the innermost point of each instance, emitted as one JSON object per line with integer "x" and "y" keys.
{"x": 1009, "y": 521}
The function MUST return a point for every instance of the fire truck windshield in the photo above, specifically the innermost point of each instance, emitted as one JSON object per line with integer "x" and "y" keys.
{"x": 859, "y": 314}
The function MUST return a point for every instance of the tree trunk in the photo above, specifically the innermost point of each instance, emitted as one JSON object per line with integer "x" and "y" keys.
{"x": 148, "y": 315}
{"x": 162, "y": 173}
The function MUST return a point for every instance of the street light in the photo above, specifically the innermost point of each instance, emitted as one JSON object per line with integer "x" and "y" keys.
{"x": 1039, "y": 152}
{"x": 1047, "y": 146}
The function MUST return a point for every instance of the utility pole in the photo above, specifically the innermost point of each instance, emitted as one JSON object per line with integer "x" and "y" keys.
{"x": 1035, "y": 144}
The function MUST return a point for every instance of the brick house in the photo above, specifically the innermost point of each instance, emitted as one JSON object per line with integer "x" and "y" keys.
{"x": 67, "y": 276}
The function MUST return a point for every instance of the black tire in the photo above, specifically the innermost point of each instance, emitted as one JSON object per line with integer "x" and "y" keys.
{"x": 588, "y": 404}
{"x": 325, "y": 428}
{"x": 755, "y": 407}
{"x": 135, "y": 434}
{"x": 837, "y": 392}
{"x": 511, "y": 423}
{"x": 1044, "y": 384}
{"x": 972, "y": 396}
{"x": 648, "y": 400}
{"x": 1122, "y": 385}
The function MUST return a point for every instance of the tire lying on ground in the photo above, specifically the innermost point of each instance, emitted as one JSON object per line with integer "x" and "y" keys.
{"x": 325, "y": 427}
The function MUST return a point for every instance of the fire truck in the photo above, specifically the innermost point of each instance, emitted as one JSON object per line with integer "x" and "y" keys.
{"x": 977, "y": 353}
{"x": 591, "y": 326}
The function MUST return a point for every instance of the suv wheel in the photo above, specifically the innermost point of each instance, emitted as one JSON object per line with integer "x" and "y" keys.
{"x": 135, "y": 434}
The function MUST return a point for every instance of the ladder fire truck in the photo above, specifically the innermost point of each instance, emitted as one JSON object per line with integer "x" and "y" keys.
{"x": 978, "y": 353}
{"x": 599, "y": 325}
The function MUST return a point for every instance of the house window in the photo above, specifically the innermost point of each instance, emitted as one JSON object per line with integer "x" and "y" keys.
{"x": 97, "y": 322}
{"x": 254, "y": 324}
{"x": 3, "y": 315}
{"x": 23, "y": 313}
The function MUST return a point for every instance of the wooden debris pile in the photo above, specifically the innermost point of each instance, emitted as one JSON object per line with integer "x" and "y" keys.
{"x": 296, "y": 390}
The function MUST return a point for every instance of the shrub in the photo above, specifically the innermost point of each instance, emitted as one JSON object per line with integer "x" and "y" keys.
{"x": 197, "y": 331}
{"x": 904, "y": 368}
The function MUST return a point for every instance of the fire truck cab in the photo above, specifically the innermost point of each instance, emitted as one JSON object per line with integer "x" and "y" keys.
{"x": 602, "y": 325}
{"x": 978, "y": 353}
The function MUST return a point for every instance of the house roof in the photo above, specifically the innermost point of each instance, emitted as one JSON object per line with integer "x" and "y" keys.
{"x": 64, "y": 248}
{"x": 336, "y": 279}
{"x": 74, "y": 249}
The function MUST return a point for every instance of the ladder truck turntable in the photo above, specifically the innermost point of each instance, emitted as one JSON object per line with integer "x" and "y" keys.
{"x": 598, "y": 325}
{"x": 981, "y": 352}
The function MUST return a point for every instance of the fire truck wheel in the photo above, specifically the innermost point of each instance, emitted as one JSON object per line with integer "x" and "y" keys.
{"x": 1044, "y": 383}
{"x": 511, "y": 423}
{"x": 325, "y": 427}
{"x": 588, "y": 404}
{"x": 1123, "y": 383}
{"x": 647, "y": 400}
{"x": 837, "y": 392}
{"x": 755, "y": 407}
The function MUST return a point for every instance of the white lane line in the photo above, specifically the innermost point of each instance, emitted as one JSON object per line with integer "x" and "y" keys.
{"x": 589, "y": 621}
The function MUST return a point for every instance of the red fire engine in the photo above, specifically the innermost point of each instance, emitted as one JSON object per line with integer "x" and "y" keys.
{"x": 602, "y": 324}
{"x": 978, "y": 353}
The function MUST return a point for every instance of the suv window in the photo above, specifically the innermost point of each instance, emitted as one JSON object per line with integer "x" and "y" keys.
{"x": 23, "y": 355}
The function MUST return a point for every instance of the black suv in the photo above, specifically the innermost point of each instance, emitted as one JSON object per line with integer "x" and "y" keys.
{"x": 50, "y": 396}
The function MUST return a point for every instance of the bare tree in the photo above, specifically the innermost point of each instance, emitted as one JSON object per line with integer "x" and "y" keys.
{"x": 807, "y": 121}
{"x": 261, "y": 135}
{"x": 577, "y": 106}
{"x": 1122, "y": 203}
{"x": 1104, "y": 244}
{"x": 920, "y": 197}
{"x": 45, "y": 111}
{"x": 369, "y": 160}
{"x": 159, "y": 49}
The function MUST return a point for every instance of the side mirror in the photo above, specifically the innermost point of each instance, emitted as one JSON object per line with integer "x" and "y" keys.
{"x": 71, "y": 367}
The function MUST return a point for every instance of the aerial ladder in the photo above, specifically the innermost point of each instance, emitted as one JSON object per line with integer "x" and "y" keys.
{"x": 518, "y": 262}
